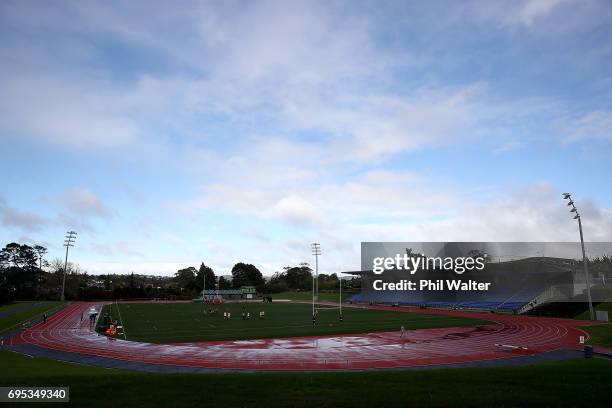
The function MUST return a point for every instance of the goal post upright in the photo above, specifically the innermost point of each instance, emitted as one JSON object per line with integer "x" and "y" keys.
{"x": 340, "y": 299}
{"x": 316, "y": 251}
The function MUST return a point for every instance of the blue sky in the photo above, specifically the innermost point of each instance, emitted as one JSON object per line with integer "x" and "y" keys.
{"x": 173, "y": 133}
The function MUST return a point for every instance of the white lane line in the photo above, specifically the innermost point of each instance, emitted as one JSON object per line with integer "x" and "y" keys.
{"x": 122, "y": 325}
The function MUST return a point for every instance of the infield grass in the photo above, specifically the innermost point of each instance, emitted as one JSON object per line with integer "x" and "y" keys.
{"x": 185, "y": 322}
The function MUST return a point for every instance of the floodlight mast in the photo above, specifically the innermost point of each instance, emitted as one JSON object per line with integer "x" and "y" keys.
{"x": 68, "y": 242}
{"x": 568, "y": 196}
{"x": 316, "y": 251}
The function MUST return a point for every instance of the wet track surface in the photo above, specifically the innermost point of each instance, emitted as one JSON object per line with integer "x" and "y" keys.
{"x": 65, "y": 332}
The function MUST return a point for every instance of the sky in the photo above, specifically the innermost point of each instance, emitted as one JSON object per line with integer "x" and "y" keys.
{"x": 173, "y": 133}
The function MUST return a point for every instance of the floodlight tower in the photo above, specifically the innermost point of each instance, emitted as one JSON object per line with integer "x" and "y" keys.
{"x": 316, "y": 251}
{"x": 68, "y": 242}
{"x": 568, "y": 196}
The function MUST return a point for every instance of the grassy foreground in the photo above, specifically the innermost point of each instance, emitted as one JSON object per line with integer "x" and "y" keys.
{"x": 578, "y": 382}
{"x": 185, "y": 322}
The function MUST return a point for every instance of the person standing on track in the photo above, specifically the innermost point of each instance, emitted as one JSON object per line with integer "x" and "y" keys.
{"x": 402, "y": 332}
{"x": 44, "y": 318}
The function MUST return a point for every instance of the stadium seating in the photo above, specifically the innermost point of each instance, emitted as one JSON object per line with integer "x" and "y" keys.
{"x": 514, "y": 284}
{"x": 502, "y": 300}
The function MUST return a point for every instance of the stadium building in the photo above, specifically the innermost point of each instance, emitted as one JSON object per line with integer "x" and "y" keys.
{"x": 517, "y": 285}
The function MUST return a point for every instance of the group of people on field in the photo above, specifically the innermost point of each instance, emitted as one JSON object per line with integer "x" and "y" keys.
{"x": 227, "y": 315}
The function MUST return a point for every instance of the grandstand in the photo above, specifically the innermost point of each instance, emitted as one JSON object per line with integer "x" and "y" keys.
{"x": 518, "y": 286}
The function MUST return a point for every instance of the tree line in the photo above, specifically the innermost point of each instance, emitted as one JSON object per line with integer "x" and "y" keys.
{"x": 299, "y": 278}
{"x": 192, "y": 280}
{"x": 25, "y": 274}
{"x": 292, "y": 278}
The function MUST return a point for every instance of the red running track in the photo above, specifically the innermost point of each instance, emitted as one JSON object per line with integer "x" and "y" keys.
{"x": 65, "y": 332}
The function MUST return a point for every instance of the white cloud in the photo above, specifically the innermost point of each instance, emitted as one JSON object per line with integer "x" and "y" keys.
{"x": 509, "y": 146}
{"x": 79, "y": 208}
{"x": 297, "y": 210}
{"x": 60, "y": 111}
{"x": 534, "y": 213}
{"x": 302, "y": 66}
{"x": 117, "y": 249}
{"x": 377, "y": 207}
{"x": 295, "y": 67}
{"x": 531, "y": 10}
{"x": 24, "y": 220}
{"x": 596, "y": 125}
{"x": 311, "y": 101}
{"x": 524, "y": 13}
{"x": 81, "y": 201}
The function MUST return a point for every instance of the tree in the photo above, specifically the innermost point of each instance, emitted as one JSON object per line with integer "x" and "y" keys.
{"x": 277, "y": 283}
{"x": 19, "y": 256}
{"x": 185, "y": 278}
{"x": 223, "y": 283}
{"x": 246, "y": 275}
{"x": 206, "y": 271}
{"x": 298, "y": 277}
{"x": 19, "y": 269}
{"x": 40, "y": 252}
{"x": 353, "y": 284}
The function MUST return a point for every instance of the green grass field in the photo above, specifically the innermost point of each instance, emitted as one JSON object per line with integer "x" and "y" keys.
{"x": 13, "y": 321}
{"x": 184, "y": 322}
{"x": 607, "y": 306}
{"x": 601, "y": 334}
{"x": 16, "y": 305}
{"x": 579, "y": 382}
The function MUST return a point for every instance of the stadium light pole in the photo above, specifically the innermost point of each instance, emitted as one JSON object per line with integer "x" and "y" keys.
{"x": 316, "y": 251}
{"x": 68, "y": 242}
{"x": 570, "y": 202}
